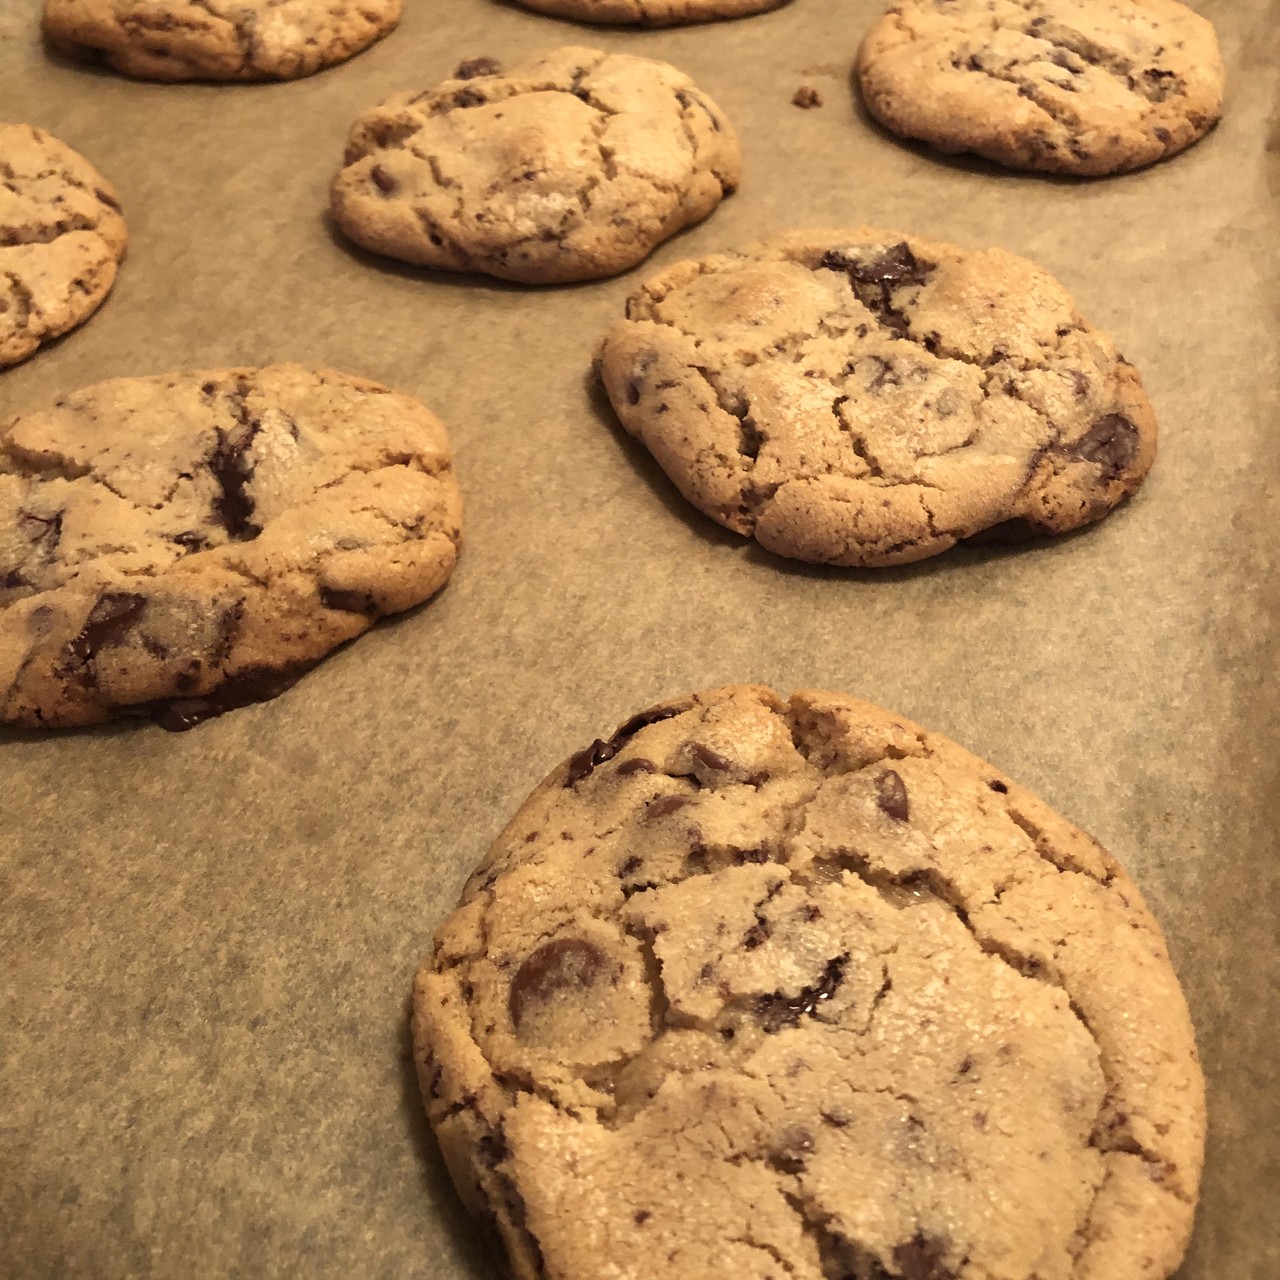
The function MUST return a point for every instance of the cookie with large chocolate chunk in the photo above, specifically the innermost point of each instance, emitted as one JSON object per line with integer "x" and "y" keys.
{"x": 1087, "y": 87}
{"x": 759, "y": 988}
{"x": 650, "y": 13}
{"x": 571, "y": 166}
{"x": 183, "y": 544}
{"x": 219, "y": 39}
{"x": 61, "y": 239}
{"x": 868, "y": 398}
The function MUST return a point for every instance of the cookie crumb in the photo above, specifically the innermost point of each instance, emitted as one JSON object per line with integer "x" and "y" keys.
{"x": 807, "y": 97}
{"x": 477, "y": 67}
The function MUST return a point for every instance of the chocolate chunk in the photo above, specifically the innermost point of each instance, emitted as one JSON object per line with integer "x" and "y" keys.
{"x": 640, "y": 721}
{"x": 891, "y": 795}
{"x": 712, "y": 759}
{"x": 45, "y": 533}
{"x": 1112, "y": 442}
{"x": 348, "y": 601}
{"x": 665, "y": 804}
{"x": 999, "y": 786}
{"x": 780, "y": 1010}
{"x": 791, "y": 1155}
{"x": 254, "y": 684}
{"x": 758, "y": 934}
{"x": 556, "y": 966}
{"x": 108, "y": 622}
{"x": 233, "y": 470}
{"x": 469, "y": 98}
{"x": 473, "y": 67}
{"x": 874, "y": 278}
{"x": 806, "y": 97}
{"x": 642, "y": 1216}
{"x": 584, "y": 763}
{"x": 384, "y": 181}
{"x": 637, "y": 764}
{"x": 922, "y": 1258}
{"x": 631, "y": 865}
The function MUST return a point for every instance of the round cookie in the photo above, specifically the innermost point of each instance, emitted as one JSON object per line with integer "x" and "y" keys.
{"x": 650, "y": 13}
{"x": 179, "y": 545}
{"x": 868, "y": 398}
{"x": 764, "y": 988}
{"x": 571, "y": 166}
{"x": 219, "y": 39}
{"x": 1065, "y": 86}
{"x": 61, "y": 239}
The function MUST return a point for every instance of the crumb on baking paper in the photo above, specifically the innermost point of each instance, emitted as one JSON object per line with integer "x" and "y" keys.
{"x": 806, "y": 97}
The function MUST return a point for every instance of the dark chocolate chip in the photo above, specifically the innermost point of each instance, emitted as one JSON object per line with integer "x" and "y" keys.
{"x": 348, "y": 601}
{"x": 780, "y": 1010}
{"x": 712, "y": 759}
{"x": 1112, "y": 442}
{"x": 584, "y": 763}
{"x": 469, "y": 98}
{"x": 642, "y": 1216}
{"x": 792, "y": 1152}
{"x": 758, "y": 934}
{"x": 640, "y": 721}
{"x": 891, "y": 795}
{"x": 631, "y": 865}
{"x": 559, "y": 965}
{"x": 473, "y": 67}
{"x": 665, "y": 804}
{"x": 254, "y": 684}
{"x": 384, "y": 181}
{"x": 922, "y": 1258}
{"x": 637, "y": 764}
{"x": 233, "y": 470}
{"x": 999, "y": 786}
{"x": 108, "y": 622}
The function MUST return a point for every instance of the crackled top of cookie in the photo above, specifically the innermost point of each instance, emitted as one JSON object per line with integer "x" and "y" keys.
{"x": 219, "y": 39}
{"x": 767, "y": 988}
{"x": 195, "y": 538}
{"x": 61, "y": 238}
{"x": 651, "y": 13}
{"x": 1070, "y": 86}
{"x": 571, "y": 166}
{"x": 869, "y": 398}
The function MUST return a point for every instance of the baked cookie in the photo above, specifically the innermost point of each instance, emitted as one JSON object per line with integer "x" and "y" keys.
{"x": 763, "y": 989}
{"x": 179, "y": 545}
{"x": 219, "y": 39}
{"x": 572, "y": 166}
{"x": 1065, "y": 86}
{"x": 650, "y": 13}
{"x": 868, "y": 398}
{"x": 61, "y": 239}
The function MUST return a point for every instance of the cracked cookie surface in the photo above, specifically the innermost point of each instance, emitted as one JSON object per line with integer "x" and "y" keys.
{"x": 184, "y": 544}
{"x": 62, "y": 237}
{"x": 219, "y": 39}
{"x": 797, "y": 989}
{"x": 868, "y": 398}
{"x": 572, "y": 166}
{"x": 650, "y": 13}
{"x": 1088, "y": 87}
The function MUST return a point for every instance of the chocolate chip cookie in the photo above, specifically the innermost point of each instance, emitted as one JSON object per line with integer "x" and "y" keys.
{"x": 650, "y": 13}
{"x": 870, "y": 398}
{"x": 179, "y": 545}
{"x": 571, "y": 166}
{"x": 218, "y": 39}
{"x": 761, "y": 988}
{"x": 61, "y": 239}
{"x": 1065, "y": 86}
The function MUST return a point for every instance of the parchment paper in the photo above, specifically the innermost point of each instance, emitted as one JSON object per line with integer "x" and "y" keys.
{"x": 207, "y": 940}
